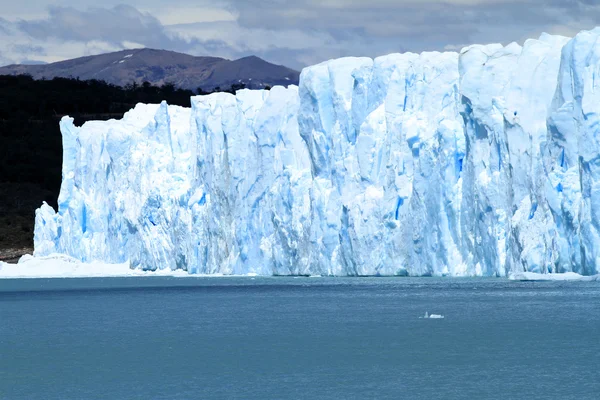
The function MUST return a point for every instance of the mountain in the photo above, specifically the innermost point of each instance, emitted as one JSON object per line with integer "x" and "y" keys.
{"x": 162, "y": 66}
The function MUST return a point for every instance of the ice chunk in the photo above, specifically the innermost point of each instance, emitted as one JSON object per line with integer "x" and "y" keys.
{"x": 432, "y": 316}
{"x": 61, "y": 266}
{"x": 567, "y": 276}
{"x": 436, "y": 316}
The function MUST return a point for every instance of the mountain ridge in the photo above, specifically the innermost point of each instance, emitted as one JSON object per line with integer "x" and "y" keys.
{"x": 163, "y": 66}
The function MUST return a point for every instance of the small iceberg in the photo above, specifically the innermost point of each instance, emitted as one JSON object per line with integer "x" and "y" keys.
{"x": 567, "y": 276}
{"x": 432, "y": 316}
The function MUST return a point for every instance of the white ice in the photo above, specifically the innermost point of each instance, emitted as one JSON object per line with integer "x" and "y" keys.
{"x": 62, "y": 266}
{"x": 432, "y": 316}
{"x": 567, "y": 276}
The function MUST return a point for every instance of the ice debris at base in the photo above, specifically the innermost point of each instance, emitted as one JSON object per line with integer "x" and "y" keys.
{"x": 567, "y": 276}
{"x": 62, "y": 266}
{"x": 485, "y": 163}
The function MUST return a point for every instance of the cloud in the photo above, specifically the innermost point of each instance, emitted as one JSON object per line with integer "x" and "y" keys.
{"x": 421, "y": 24}
{"x": 67, "y": 33}
{"x": 114, "y": 25}
{"x": 291, "y": 47}
{"x": 290, "y": 32}
{"x": 309, "y": 31}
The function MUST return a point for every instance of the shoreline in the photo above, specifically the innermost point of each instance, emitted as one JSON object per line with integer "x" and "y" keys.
{"x": 12, "y": 255}
{"x": 13, "y": 265}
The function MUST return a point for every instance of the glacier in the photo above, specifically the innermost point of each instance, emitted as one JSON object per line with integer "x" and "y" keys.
{"x": 479, "y": 163}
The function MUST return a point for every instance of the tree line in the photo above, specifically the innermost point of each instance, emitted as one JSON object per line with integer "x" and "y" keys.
{"x": 31, "y": 144}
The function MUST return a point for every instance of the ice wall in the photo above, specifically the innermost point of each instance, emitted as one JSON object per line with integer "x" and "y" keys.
{"x": 479, "y": 163}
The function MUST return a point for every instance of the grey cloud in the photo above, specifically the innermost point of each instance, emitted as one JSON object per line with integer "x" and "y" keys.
{"x": 422, "y": 25}
{"x": 301, "y": 32}
{"x": 28, "y": 50}
{"x": 113, "y": 25}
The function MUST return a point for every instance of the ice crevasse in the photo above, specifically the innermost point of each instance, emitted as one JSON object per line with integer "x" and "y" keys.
{"x": 483, "y": 162}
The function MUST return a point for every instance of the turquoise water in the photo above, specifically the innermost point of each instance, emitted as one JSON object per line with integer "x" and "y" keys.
{"x": 304, "y": 338}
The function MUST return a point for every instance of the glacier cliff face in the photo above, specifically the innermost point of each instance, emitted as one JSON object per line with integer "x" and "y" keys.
{"x": 479, "y": 163}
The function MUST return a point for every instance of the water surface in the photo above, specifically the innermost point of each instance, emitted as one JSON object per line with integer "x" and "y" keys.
{"x": 275, "y": 338}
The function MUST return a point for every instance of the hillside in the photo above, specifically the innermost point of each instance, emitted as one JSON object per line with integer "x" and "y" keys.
{"x": 161, "y": 66}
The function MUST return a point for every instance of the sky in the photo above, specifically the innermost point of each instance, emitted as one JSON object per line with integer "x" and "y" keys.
{"x": 295, "y": 33}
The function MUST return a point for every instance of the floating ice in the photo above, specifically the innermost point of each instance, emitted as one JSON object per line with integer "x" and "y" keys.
{"x": 478, "y": 163}
{"x": 567, "y": 276}
{"x": 432, "y": 316}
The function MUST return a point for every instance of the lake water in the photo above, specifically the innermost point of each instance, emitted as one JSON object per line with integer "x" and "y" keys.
{"x": 304, "y": 338}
